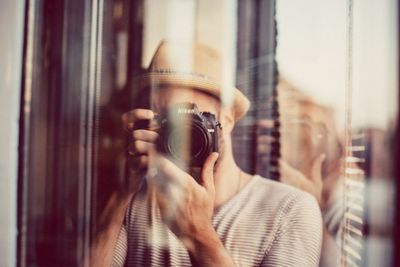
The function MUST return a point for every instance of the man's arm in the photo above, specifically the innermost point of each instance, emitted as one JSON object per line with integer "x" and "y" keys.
{"x": 208, "y": 250}
{"x": 187, "y": 207}
{"x": 299, "y": 237}
{"x": 111, "y": 221}
{"x": 102, "y": 249}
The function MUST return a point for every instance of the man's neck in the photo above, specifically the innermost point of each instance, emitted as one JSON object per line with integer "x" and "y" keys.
{"x": 228, "y": 180}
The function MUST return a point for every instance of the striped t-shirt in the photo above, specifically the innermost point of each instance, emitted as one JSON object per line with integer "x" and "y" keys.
{"x": 266, "y": 224}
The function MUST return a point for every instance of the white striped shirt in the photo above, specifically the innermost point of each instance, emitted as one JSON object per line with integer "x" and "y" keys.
{"x": 266, "y": 224}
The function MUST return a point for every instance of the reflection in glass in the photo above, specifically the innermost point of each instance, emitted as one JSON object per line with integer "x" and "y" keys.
{"x": 89, "y": 64}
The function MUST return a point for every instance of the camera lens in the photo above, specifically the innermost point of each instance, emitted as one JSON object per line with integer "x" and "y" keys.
{"x": 199, "y": 141}
{"x": 195, "y": 134}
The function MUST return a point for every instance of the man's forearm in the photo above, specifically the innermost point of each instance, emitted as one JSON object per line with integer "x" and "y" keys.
{"x": 208, "y": 250}
{"x": 101, "y": 252}
{"x": 102, "y": 249}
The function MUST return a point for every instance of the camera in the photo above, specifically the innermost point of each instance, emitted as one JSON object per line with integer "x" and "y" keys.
{"x": 187, "y": 135}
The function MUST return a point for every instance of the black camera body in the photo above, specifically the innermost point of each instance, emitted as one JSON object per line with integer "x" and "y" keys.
{"x": 187, "y": 135}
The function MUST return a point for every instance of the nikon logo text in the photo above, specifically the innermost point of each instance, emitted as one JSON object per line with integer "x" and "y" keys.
{"x": 185, "y": 110}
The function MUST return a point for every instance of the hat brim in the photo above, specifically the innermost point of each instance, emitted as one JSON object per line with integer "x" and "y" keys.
{"x": 240, "y": 103}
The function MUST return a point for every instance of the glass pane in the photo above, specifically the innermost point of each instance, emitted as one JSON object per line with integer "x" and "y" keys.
{"x": 338, "y": 94}
{"x": 126, "y": 101}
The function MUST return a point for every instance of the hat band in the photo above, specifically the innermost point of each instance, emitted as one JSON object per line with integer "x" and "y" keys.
{"x": 179, "y": 72}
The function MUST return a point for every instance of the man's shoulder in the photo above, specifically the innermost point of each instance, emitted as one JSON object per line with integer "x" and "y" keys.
{"x": 269, "y": 208}
{"x": 292, "y": 223}
{"x": 280, "y": 195}
{"x": 276, "y": 189}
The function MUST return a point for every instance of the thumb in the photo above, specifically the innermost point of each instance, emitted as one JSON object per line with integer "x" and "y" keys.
{"x": 316, "y": 169}
{"x": 207, "y": 172}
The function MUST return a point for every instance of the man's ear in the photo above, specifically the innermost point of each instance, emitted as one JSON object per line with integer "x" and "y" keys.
{"x": 227, "y": 119}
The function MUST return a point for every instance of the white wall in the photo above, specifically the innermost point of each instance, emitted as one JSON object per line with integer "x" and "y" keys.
{"x": 11, "y": 37}
{"x": 312, "y": 55}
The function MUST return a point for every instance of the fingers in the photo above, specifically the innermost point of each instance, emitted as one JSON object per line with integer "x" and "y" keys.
{"x": 140, "y": 162}
{"x": 169, "y": 170}
{"x": 175, "y": 174}
{"x": 316, "y": 177}
{"x": 139, "y": 147}
{"x": 129, "y": 118}
{"x": 316, "y": 169}
{"x": 145, "y": 135}
{"x": 141, "y": 140}
{"x": 139, "y": 152}
{"x": 169, "y": 198}
{"x": 312, "y": 185}
{"x": 207, "y": 172}
{"x": 169, "y": 184}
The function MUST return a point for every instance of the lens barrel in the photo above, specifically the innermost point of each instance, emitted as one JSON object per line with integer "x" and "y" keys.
{"x": 190, "y": 137}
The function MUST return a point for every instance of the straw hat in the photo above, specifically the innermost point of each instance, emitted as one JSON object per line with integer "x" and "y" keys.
{"x": 190, "y": 65}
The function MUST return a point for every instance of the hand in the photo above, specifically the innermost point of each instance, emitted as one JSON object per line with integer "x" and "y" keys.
{"x": 112, "y": 217}
{"x": 186, "y": 206}
{"x": 142, "y": 144}
{"x": 312, "y": 184}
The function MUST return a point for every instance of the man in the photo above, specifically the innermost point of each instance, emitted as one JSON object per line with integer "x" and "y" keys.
{"x": 316, "y": 136}
{"x": 224, "y": 218}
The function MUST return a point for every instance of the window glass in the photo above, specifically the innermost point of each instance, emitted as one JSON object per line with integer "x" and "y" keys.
{"x": 125, "y": 101}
